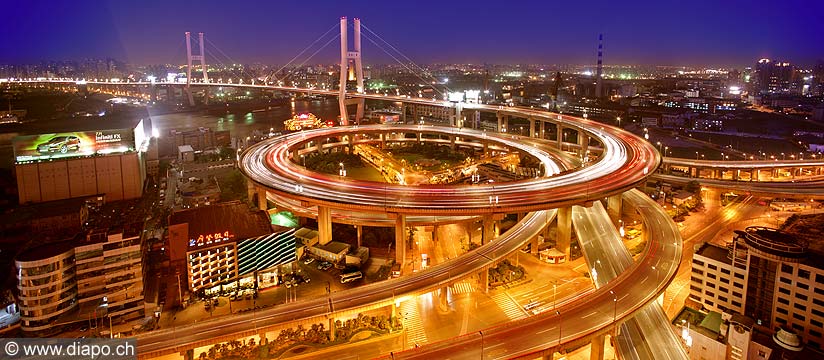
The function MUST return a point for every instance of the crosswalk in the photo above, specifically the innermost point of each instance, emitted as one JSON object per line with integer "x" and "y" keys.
{"x": 413, "y": 323}
{"x": 509, "y": 306}
{"x": 462, "y": 287}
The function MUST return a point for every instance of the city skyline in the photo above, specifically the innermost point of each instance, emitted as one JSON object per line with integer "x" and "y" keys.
{"x": 695, "y": 34}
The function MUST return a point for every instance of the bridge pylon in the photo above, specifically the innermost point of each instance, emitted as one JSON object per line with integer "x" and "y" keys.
{"x": 189, "y": 59}
{"x": 345, "y": 57}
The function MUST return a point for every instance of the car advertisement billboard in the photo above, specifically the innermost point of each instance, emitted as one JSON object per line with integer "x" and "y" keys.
{"x": 72, "y": 144}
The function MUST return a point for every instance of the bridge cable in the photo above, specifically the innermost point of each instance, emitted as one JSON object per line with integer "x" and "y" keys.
{"x": 400, "y": 62}
{"x": 271, "y": 73}
{"x": 428, "y": 73}
{"x": 310, "y": 57}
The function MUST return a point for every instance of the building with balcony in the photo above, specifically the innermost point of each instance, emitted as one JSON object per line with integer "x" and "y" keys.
{"x": 770, "y": 276}
{"x": 96, "y": 275}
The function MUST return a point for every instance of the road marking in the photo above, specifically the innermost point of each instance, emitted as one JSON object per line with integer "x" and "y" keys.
{"x": 416, "y": 334}
{"x": 462, "y": 287}
{"x": 509, "y": 306}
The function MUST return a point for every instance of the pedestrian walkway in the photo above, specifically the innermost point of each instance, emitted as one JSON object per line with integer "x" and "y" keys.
{"x": 462, "y": 287}
{"x": 509, "y": 306}
{"x": 413, "y": 323}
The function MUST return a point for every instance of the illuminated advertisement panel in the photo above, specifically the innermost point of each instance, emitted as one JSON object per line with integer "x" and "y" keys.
{"x": 72, "y": 144}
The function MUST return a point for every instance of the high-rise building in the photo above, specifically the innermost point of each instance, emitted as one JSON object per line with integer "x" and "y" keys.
{"x": 774, "y": 77}
{"x": 767, "y": 275}
{"x": 95, "y": 276}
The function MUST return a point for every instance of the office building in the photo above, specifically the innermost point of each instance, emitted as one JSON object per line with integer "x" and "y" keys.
{"x": 93, "y": 277}
{"x": 770, "y": 276}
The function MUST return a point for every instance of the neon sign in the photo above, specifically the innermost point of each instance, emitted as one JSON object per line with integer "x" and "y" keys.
{"x": 206, "y": 239}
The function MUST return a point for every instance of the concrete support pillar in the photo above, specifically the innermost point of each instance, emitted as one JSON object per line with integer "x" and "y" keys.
{"x": 542, "y": 129}
{"x": 564, "y": 234}
{"x": 443, "y": 302}
{"x": 360, "y": 234}
{"x": 506, "y": 123}
{"x": 550, "y": 356}
{"x": 262, "y": 205}
{"x": 486, "y": 148}
{"x": 332, "y": 329}
{"x": 488, "y": 230}
{"x": 420, "y": 137}
{"x": 614, "y": 208}
{"x": 403, "y": 113}
{"x": 596, "y": 351}
{"x": 452, "y": 140}
{"x": 500, "y": 121}
{"x": 735, "y": 174}
{"x": 324, "y": 225}
{"x": 484, "y": 280}
{"x": 583, "y": 142}
{"x": 435, "y": 236}
{"x": 383, "y": 141}
{"x": 400, "y": 239}
{"x": 754, "y": 175}
{"x": 531, "y": 127}
{"x": 534, "y": 247}
{"x": 559, "y": 130}
{"x": 351, "y": 143}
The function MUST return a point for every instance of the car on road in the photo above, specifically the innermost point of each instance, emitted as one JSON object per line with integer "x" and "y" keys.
{"x": 324, "y": 266}
{"x": 309, "y": 260}
{"x": 349, "y": 277}
{"x": 61, "y": 144}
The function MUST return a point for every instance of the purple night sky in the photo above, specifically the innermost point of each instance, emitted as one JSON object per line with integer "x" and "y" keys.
{"x": 697, "y": 32}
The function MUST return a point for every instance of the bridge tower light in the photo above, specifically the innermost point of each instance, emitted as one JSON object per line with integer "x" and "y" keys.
{"x": 191, "y": 58}
{"x": 345, "y": 57}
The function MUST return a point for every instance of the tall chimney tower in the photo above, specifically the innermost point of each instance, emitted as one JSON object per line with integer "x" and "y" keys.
{"x": 600, "y": 69}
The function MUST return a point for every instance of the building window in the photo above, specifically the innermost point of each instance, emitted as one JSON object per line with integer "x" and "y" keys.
{"x": 804, "y": 274}
{"x": 815, "y": 333}
{"x": 725, "y": 271}
{"x": 738, "y": 285}
{"x": 712, "y": 267}
{"x": 819, "y": 291}
{"x": 695, "y": 288}
{"x": 710, "y": 285}
{"x": 722, "y": 298}
{"x": 785, "y": 280}
{"x": 739, "y": 276}
{"x": 818, "y": 313}
{"x": 723, "y": 289}
{"x": 799, "y": 317}
{"x": 786, "y": 268}
{"x": 725, "y": 280}
{"x": 711, "y": 275}
{"x": 816, "y": 323}
{"x": 780, "y": 320}
{"x": 736, "y": 294}
{"x": 736, "y": 303}
{"x": 784, "y": 301}
{"x": 799, "y": 306}
{"x": 819, "y": 278}
{"x": 697, "y": 262}
{"x": 784, "y": 291}
{"x": 697, "y": 280}
{"x": 782, "y": 310}
{"x": 818, "y": 301}
{"x": 803, "y": 286}
{"x": 698, "y": 271}
{"x": 797, "y": 326}
{"x": 709, "y": 293}
{"x": 801, "y": 296}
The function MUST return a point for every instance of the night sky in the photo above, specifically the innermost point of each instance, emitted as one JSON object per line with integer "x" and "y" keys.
{"x": 700, "y": 32}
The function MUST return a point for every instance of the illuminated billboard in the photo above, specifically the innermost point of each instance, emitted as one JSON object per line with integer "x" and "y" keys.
{"x": 72, "y": 144}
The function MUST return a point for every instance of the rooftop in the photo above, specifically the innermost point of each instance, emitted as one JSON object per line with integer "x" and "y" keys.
{"x": 233, "y": 216}
{"x": 44, "y": 209}
{"x": 714, "y": 252}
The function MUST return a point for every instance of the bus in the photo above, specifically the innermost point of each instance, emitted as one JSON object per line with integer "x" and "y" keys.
{"x": 349, "y": 277}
